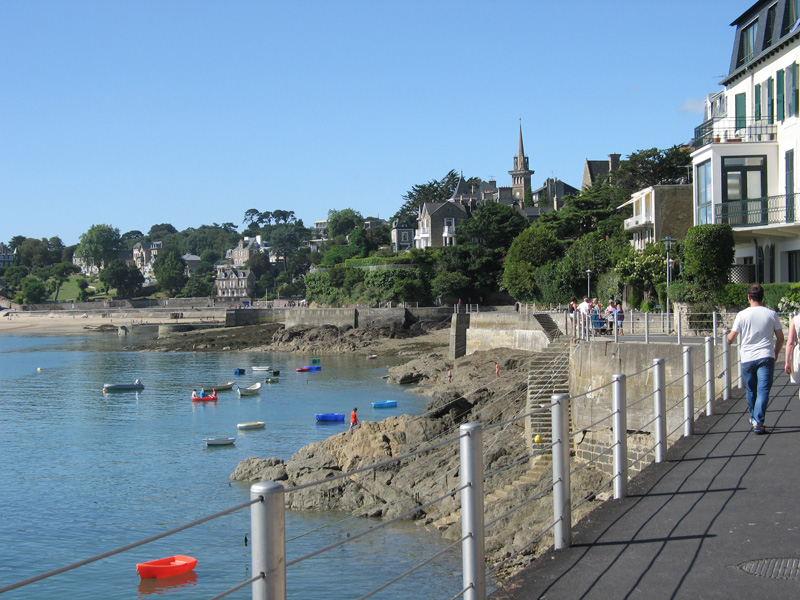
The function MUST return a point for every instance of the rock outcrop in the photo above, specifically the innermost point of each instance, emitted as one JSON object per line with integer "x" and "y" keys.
{"x": 472, "y": 394}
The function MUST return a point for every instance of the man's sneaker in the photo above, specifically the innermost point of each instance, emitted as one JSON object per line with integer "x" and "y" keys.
{"x": 759, "y": 429}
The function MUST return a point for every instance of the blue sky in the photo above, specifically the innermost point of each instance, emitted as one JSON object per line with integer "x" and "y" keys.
{"x": 190, "y": 112}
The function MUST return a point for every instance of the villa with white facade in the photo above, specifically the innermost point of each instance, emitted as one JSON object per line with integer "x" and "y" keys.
{"x": 744, "y": 161}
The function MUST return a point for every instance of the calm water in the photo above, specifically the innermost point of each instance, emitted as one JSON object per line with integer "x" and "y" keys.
{"x": 83, "y": 473}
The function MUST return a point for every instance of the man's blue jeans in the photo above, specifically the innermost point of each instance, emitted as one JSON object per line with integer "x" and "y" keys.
{"x": 757, "y": 376}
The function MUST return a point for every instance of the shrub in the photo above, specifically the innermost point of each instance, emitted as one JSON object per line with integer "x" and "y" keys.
{"x": 708, "y": 252}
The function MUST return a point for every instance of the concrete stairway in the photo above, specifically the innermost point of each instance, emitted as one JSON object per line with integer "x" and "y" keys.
{"x": 548, "y": 325}
{"x": 548, "y": 374}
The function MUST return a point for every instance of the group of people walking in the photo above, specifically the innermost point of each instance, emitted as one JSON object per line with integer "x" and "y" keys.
{"x": 601, "y": 320}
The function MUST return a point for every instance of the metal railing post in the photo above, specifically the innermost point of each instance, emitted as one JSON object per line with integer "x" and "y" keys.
{"x": 268, "y": 541}
{"x": 678, "y": 316}
{"x": 663, "y": 319}
{"x": 726, "y": 365}
{"x": 473, "y": 554}
{"x": 688, "y": 392}
{"x": 709, "y": 377}
{"x": 646, "y": 328}
{"x": 562, "y": 495}
{"x": 659, "y": 409}
{"x": 714, "y": 319}
{"x": 620, "y": 407}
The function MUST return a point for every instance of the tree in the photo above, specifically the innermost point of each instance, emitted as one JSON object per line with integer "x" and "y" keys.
{"x": 259, "y": 264}
{"x": 432, "y": 191}
{"x": 169, "y": 270}
{"x": 342, "y": 222}
{"x": 533, "y": 248}
{"x": 493, "y": 224}
{"x": 83, "y": 290}
{"x": 33, "y": 290}
{"x": 161, "y": 232}
{"x": 60, "y": 272}
{"x": 126, "y": 279}
{"x": 649, "y": 167}
{"x": 16, "y": 242}
{"x": 449, "y": 286}
{"x": 197, "y": 287}
{"x": 33, "y": 253}
{"x": 251, "y": 215}
{"x": 708, "y": 255}
{"x": 99, "y": 245}
{"x": 284, "y": 240}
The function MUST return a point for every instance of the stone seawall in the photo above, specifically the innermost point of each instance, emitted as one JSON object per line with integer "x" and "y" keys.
{"x": 591, "y": 368}
{"x": 487, "y": 330}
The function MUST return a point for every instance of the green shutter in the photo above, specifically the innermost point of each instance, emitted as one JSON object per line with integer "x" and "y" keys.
{"x": 770, "y": 100}
{"x": 758, "y": 102}
{"x": 779, "y": 95}
{"x": 741, "y": 111}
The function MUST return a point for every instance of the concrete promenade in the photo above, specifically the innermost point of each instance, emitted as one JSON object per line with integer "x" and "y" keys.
{"x": 718, "y": 519}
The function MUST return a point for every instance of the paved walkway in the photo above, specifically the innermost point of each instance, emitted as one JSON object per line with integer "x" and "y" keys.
{"x": 724, "y": 502}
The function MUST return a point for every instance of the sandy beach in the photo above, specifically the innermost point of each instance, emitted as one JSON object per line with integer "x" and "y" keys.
{"x": 68, "y": 323}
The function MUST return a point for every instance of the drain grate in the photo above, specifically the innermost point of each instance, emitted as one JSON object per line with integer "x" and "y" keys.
{"x": 773, "y": 568}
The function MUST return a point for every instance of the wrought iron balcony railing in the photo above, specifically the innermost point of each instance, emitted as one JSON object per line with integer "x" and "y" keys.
{"x": 771, "y": 210}
{"x": 735, "y": 129}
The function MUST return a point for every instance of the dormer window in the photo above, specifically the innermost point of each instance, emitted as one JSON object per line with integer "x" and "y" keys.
{"x": 790, "y": 16}
{"x": 769, "y": 26}
{"x": 747, "y": 43}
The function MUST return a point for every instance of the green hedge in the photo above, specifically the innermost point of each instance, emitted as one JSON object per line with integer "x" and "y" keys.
{"x": 731, "y": 295}
{"x": 373, "y": 261}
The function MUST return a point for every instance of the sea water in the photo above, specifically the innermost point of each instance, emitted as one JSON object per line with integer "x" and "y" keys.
{"x": 84, "y": 472}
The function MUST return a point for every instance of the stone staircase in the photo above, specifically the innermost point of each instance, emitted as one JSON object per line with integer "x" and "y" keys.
{"x": 548, "y": 374}
{"x": 548, "y": 325}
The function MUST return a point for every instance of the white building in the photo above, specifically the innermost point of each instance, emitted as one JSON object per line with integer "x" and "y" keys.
{"x": 744, "y": 163}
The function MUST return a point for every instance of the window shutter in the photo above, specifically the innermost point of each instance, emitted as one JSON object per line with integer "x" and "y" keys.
{"x": 779, "y": 89}
{"x": 765, "y": 99}
{"x": 790, "y": 99}
{"x": 758, "y": 102}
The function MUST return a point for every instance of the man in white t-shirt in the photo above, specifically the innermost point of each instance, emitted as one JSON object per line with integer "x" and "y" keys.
{"x": 757, "y": 325}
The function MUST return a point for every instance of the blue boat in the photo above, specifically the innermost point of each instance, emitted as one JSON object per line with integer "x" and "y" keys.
{"x": 385, "y": 404}
{"x": 329, "y": 416}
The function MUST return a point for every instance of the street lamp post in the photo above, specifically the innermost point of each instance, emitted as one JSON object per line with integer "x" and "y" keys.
{"x": 668, "y": 241}
{"x": 589, "y": 283}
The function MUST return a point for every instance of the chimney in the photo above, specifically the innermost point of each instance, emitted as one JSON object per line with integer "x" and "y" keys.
{"x": 613, "y": 162}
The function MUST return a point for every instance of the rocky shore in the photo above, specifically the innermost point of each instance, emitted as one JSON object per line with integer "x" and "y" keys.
{"x": 473, "y": 394}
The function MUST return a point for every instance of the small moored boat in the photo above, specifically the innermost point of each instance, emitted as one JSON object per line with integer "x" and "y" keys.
{"x": 250, "y": 390}
{"x": 223, "y": 441}
{"x": 221, "y": 388}
{"x": 372, "y": 357}
{"x": 123, "y": 387}
{"x": 303, "y": 369}
{"x": 206, "y": 398}
{"x": 252, "y": 425}
{"x": 329, "y": 416}
{"x": 385, "y": 404}
{"x": 166, "y": 567}
{"x": 271, "y": 379}
{"x": 262, "y": 368}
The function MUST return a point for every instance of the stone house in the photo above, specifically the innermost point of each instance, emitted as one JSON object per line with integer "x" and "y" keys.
{"x": 144, "y": 255}
{"x": 6, "y": 256}
{"x": 244, "y": 251}
{"x": 234, "y": 284}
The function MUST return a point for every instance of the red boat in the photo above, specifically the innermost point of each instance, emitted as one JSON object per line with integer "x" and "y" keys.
{"x": 166, "y": 567}
{"x": 210, "y": 398}
{"x": 302, "y": 369}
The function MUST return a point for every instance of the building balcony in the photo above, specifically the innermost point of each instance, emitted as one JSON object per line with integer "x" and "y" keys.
{"x": 637, "y": 222}
{"x": 449, "y": 231}
{"x": 423, "y": 232}
{"x": 758, "y": 212}
{"x": 732, "y": 130}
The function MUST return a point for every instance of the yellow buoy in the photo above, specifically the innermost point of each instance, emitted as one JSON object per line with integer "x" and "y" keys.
{"x": 537, "y": 439}
{"x": 39, "y": 369}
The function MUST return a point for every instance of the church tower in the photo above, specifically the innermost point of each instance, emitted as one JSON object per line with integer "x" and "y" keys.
{"x": 521, "y": 174}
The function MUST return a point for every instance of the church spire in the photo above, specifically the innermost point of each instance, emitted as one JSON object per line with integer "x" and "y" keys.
{"x": 520, "y": 174}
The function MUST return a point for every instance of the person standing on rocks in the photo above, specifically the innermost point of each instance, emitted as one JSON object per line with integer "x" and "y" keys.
{"x": 354, "y": 418}
{"x": 757, "y": 324}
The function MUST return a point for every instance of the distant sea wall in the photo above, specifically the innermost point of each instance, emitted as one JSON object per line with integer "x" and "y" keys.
{"x": 340, "y": 317}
